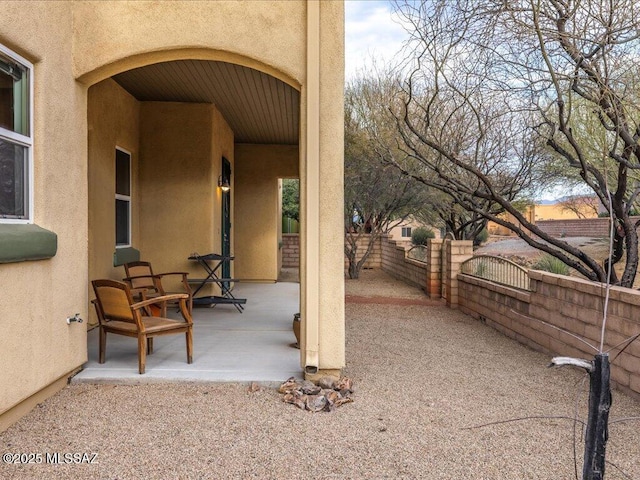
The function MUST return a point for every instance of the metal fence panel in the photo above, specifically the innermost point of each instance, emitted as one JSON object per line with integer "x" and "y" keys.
{"x": 497, "y": 270}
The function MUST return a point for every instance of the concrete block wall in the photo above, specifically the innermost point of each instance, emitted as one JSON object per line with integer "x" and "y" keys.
{"x": 499, "y": 307}
{"x": 571, "y": 304}
{"x": 434, "y": 267}
{"x": 290, "y": 250}
{"x": 375, "y": 257}
{"x": 587, "y": 227}
{"x": 435, "y": 275}
{"x": 456, "y": 252}
{"x": 394, "y": 261}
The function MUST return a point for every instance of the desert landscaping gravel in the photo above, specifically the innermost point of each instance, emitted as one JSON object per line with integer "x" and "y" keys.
{"x": 423, "y": 376}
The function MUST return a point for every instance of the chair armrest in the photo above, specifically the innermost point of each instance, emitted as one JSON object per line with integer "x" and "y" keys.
{"x": 161, "y": 299}
{"x": 185, "y": 305}
{"x": 171, "y": 273}
{"x": 127, "y": 279}
{"x": 184, "y": 280}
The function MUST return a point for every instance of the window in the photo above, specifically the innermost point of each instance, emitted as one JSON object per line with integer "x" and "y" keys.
{"x": 16, "y": 140}
{"x": 406, "y": 231}
{"x": 123, "y": 198}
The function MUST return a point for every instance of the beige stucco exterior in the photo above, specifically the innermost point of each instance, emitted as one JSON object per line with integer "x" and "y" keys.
{"x": 396, "y": 232}
{"x": 558, "y": 211}
{"x": 182, "y": 147}
{"x": 267, "y": 35}
{"x": 81, "y": 115}
{"x": 113, "y": 118}
{"x": 38, "y": 347}
{"x": 322, "y": 192}
{"x": 258, "y": 168}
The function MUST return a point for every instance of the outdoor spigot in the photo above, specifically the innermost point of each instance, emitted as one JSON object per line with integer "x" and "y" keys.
{"x": 76, "y": 318}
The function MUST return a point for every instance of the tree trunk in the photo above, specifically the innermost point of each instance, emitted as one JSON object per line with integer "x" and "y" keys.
{"x": 354, "y": 271}
{"x": 356, "y": 265}
{"x": 351, "y": 252}
{"x": 597, "y": 424}
{"x": 616, "y": 255}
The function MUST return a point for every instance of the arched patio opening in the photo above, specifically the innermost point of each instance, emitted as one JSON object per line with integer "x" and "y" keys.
{"x": 162, "y": 138}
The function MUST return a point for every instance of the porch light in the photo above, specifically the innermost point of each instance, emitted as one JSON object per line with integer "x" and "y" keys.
{"x": 224, "y": 184}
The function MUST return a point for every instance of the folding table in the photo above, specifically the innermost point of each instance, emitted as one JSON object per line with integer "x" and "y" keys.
{"x": 211, "y": 263}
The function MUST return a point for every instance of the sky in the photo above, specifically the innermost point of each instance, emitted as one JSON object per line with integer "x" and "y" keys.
{"x": 371, "y": 31}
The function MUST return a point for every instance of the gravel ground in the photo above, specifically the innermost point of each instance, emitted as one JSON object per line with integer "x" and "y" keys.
{"x": 517, "y": 246}
{"x": 422, "y": 374}
{"x": 376, "y": 283}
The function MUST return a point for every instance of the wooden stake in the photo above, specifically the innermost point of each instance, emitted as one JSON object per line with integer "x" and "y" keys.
{"x": 598, "y": 422}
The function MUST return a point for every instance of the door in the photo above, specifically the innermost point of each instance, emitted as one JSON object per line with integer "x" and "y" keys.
{"x": 226, "y": 218}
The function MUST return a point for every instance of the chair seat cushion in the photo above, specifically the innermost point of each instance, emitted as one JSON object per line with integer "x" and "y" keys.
{"x": 152, "y": 325}
{"x": 157, "y": 324}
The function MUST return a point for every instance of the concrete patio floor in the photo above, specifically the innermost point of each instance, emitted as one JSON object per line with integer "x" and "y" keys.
{"x": 228, "y": 346}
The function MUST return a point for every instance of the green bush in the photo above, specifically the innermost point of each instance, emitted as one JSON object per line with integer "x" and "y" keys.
{"x": 420, "y": 235}
{"x": 551, "y": 264}
{"x": 482, "y": 237}
{"x": 481, "y": 269}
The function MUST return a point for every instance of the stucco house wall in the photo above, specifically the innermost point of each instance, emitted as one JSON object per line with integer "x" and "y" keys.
{"x": 557, "y": 211}
{"x": 182, "y": 146}
{"x": 75, "y": 45}
{"x": 323, "y": 226}
{"x": 258, "y": 168}
{"x": 396, "y": 232}
{"x": 113, "y": 117}
{"x": 267, "y": 35}
{"x": 38, "y": 348}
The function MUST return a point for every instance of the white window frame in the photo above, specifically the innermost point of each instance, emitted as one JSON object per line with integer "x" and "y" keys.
{"x": 23, "y": 140}
{"x": 126, "y": 198}
{"x": 408, "y": 230}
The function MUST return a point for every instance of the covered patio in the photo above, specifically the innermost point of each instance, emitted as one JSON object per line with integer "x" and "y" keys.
{"x": 228, "y": 346}
{"x": 179, "y": 121}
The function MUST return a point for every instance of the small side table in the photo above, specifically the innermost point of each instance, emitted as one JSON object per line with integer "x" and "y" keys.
{"x": 211, "y": 263}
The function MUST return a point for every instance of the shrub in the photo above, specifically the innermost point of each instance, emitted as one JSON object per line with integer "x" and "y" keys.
{"x": 418, "y": 252}
{"x": 551, "y": 264}
{"x": 420, "y": 235}
{"x": 482, "y": 237}
{"x": 481, "y": 269}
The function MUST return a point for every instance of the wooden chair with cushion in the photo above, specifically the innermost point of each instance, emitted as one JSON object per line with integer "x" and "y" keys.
{"x": 145, "y": 284}
{"x": 119, "y": 314}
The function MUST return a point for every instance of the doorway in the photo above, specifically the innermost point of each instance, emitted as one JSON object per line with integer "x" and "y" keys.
{"x": 226, "y": 219}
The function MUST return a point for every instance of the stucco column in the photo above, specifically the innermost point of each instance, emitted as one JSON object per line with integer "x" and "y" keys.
{"x": 434, "y": 263}
{"x": 457, "y": 251}
{"x": 311, "y": 190}
{"x": 321, "y": 176}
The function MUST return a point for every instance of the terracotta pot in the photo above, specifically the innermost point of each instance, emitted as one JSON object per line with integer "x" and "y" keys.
{"x": 296, "y": 329}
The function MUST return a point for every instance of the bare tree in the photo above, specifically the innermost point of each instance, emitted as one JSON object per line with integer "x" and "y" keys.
{"x": 500, "y": 94}
{"x": 377, "y": 196}
{"x": 583, "y": 206}
{"x": 440, "y": 210}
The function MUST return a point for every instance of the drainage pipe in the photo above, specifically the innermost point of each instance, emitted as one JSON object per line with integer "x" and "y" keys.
{"x": 312, "y": 184}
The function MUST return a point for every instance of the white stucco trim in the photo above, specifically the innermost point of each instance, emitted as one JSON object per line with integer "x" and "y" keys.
{"x": 24, "y": 140}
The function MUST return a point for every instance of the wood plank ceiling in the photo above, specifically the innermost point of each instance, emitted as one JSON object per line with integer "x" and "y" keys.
{"x": 258, "y": 107}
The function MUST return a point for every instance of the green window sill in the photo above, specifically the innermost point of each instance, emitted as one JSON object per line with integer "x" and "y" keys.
{"x": 125, "y": 255}
{"x": 26, "y": 242}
